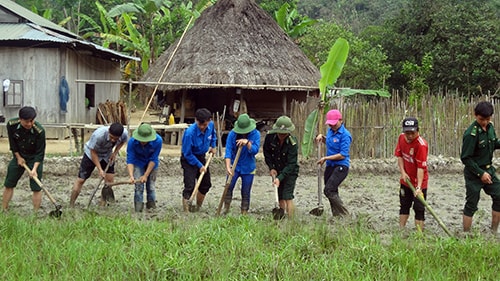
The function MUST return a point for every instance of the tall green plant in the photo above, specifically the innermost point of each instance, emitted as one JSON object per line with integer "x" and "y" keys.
{"x": 330, "y": 72}
{"x": 291, "y": 22}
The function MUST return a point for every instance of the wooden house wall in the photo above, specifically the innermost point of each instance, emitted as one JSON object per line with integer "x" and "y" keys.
{"x": 260, "y": 104}
{"x": 90, "y": 68}
{"x": 41, "y": 70}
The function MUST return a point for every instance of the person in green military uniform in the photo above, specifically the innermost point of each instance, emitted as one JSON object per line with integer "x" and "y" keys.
{"x": 479, "y": 143}
{"x": 27, "y": 143}
{"x": 280, "y": 153}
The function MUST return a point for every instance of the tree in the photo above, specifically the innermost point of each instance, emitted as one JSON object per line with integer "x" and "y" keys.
{"x": 466, "y": 47}
{"x": 460, "y": 36}
{"x": 367, "y": 66}
{"x": 291, "y": 22}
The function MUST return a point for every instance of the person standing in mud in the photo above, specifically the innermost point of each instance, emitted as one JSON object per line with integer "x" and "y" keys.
{"x": 338, "y": 145}
{"x": 143, "y": 152}
{"x": 98, "y": 152}
{"x": 244, "y": 135}
{"x": 478, "y": 146}
{"x": 198, "y": 139}
{"x": 280, "y": 153}
{"x": 27, "y": 143}
{"x": 412, "y": 151}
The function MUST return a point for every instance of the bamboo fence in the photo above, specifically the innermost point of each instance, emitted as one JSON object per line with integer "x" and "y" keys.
{"x": 375, "y": 123}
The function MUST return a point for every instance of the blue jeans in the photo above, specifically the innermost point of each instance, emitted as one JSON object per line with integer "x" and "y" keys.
{"x": 246, "y": 187}
{"x": 150, "y": 185}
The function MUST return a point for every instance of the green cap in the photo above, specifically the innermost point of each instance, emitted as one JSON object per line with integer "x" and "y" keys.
{"x": 244, "y": 124}
{"x": 283, "y": 125}
{"x": 144, "y": 133}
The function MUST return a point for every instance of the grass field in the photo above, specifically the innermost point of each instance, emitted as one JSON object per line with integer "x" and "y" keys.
{"x": 85, "y": 246}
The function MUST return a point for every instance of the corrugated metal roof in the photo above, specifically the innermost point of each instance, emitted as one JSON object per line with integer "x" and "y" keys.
{"x": 41, "y": 30}
{"x": 12, "y": 32}
{"x": 34, "y": 18}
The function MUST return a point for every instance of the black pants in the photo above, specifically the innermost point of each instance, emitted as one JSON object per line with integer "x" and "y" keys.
{"x": 191, "y": 174}
{"x": 333, "y": 177}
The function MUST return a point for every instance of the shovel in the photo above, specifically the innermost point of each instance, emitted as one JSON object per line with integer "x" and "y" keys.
{"x": 107, "y": 194}
{"x": 229, "y": 179}
{"x": 421, "y": 198}
{"x": 318, "y": 211}
{"x": 57, "y": 212}
{"x": 278, "y": 213}
{"x": 98, "y": 185}
{"x": 192, "y": 207}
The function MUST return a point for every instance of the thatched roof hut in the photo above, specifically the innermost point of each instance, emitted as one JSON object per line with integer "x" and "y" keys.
{"x": 235, "y": 49}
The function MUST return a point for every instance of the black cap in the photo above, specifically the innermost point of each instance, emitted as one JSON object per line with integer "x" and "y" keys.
{"x": 27, "y": 113}
{"x": 410, "y": 124}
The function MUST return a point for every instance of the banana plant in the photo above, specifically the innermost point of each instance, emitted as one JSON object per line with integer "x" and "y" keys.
{"x": 330, "y": 72}
{"x": 291, "y": 22}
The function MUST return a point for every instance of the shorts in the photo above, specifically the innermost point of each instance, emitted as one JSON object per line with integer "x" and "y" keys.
{"x": 14, "y": 173}
{"x": 407, "y": 199}
{"x": 87, "y": 167}
{"x": 287, "y": 187}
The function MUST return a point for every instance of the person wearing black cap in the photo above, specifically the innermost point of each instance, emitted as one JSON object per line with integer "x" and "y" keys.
{"x": 27, "y": 143}
{"x": 100, "y": 152}
{"x": 411, "y": 151}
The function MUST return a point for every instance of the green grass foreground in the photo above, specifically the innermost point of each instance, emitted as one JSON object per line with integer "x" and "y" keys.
{"x": 93, "y": 247}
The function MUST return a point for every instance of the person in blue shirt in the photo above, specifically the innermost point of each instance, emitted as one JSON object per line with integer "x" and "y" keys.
{"x": 338, "y": 144}
{"x": 198, "y": 139}
{"x": 100, "y": 151}
{"x": 143, "y": 152}
{"x": 245, "y": 135}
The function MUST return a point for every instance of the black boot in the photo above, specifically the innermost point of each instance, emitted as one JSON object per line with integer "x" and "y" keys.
{"x": 151, "y": 205}
{"x": 337, "y": 206}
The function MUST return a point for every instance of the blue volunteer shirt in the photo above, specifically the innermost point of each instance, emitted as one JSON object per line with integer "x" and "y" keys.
{"x": 195, "y": 142}
{"x": 338, "y": 142}
{"x": 246, "y": 163}
{"x": 140, "y": 156}
{"x": 101, "y": 143}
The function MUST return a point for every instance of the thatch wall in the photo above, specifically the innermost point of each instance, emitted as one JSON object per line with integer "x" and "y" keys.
{"x": 376, "y": 123}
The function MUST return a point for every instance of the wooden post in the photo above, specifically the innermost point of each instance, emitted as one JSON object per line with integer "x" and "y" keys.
{"x": 183, "y": 106}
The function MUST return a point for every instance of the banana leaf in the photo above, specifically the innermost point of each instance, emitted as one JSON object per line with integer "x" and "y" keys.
{"x": 352, "y": 92}
{"x": 307, "y": 143}
{"x": 332, "y": 68}
{"x": 330, "y": 71}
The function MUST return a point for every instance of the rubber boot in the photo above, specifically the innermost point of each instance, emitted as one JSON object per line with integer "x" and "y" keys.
{"x": 151, "y": 205}
{"x": 337, "y": 206}
{"x": 199, "y": 200}
{"x": 227, "y": 205}
{"x": 185, "y": 205}
{"x": 139, "y": 206}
